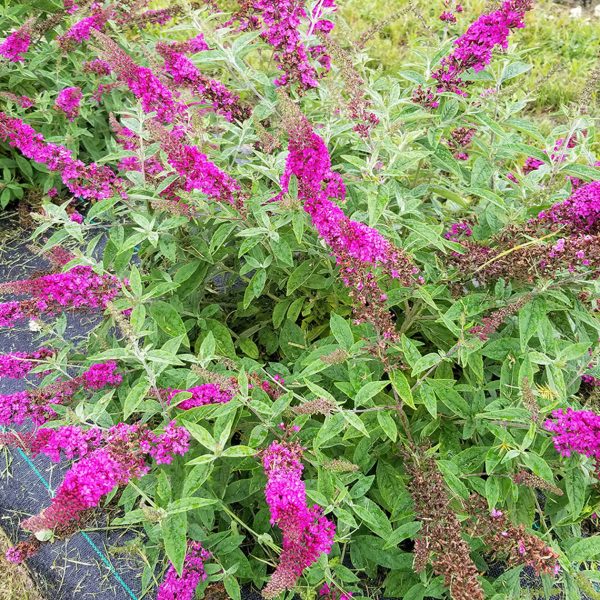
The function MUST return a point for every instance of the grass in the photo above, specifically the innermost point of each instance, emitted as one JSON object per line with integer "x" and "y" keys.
{"x": 16, "y": 582}
{"x": 562, "y": 50}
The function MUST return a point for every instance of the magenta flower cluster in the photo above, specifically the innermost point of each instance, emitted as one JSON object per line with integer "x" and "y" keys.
{"x": 69, "y": 442}
{"x": 306, "y": 532}
{"x": 11, "y": 313}
{"x": 184, "y": 72}
{"x": 280, "y": 22}
{"x": 174, "y": 587}
{"x": 17, "y": 365}
{"x": 77, "y": 288}
{"x": 129, "y": 140}
{"x": 68, "y": 101}
{"x": 308, "y": 159}
{"x": 473, "y": 49}
{"x": 458, "y": 230}
{"x": 207, "y": 393}
{"x": 460, "y": 140}
{"x": 70, "y": 6}
{"x": 102, "y": 374}
{"x": 82, "y": 30}
{"x": 38, "y": 404}
{"x": 162, "y": 447}
{"x": 154, "y": 95}
{"x": 580, "y": 212}
{"x": 590, "y": 380}
{"x": 575, "y": 431}
{"x": 197, "y": 172}
{"x": 86, "y": 181}
{"x": 533, "y": 164}
{"x": 16, "y": 44}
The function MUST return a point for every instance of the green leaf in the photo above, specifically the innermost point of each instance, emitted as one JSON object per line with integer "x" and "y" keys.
{"x": 168, "y": 318}
{"x": 232, "y": 587}
{"x": 174, "y": 533}
{"x": 514, "y": 70}
{"x": 387, "y": 423}
{"x": 341, "y": 331}
{"x": 402, "y": 387}
{"x": 408, "y": 530}
{"x": 585, "y": 549}
{"x": 238, "y": 451}
{"x": 185, "y": 504}
{"x": 425, "y": 362}
{"x": 136, "y": 394}
{"x": 200, "y": 434}
{"x": 354, "y": 420}
{"x": 300, "y": 275}
{"x": 208, "y": 346}
{"x": 369, "y": 390}
{"x": 576, "y": 486}
{"x": 530, "y": 319}
{"x": 538, "y": 466}
{"x": 195, "y": 478}
{"x": 373, "y": 517}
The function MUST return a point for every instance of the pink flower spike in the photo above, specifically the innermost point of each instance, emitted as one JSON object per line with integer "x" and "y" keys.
{"x": 175, "y": 587}
{"x": 306, "y": 532}
{"x": 16, "y": 44}
{"x": 68, "y": 102}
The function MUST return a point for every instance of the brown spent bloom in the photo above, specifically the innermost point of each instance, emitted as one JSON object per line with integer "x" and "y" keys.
{"x": 529, "y": 400}
{"x": 533, "y": 481}
{"x": 490, "y": 324}
{"x": 513, "y": 543}
{"x": 515, "y": 256}
{"x": 368, "y": 299}
{"x": 440, "y": 541}
{"x": 31, "y": 546}
{"x": 266, "y": 141}
{"x": 358, "y": 105}
{"x": 225, "y": 382}
{"x": 337, "y": 357}
{"x": 341, "y": 465}
{"x": 591, "y": 87}
{"x": 318, "y": 406}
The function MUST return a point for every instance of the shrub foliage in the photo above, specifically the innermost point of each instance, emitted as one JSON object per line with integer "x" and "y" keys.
{"x": 347, "y": 320}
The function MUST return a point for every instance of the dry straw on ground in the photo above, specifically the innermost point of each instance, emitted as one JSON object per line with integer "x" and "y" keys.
{"x": 16, "y": 582}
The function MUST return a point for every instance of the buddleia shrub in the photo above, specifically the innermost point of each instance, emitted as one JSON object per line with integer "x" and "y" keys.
{"x": 346, "y": 322}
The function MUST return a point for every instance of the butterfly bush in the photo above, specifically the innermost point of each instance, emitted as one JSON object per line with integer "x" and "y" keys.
{"x": 575, "y": 431}
{"x": 473, "y": 49}
{"x": 185, "y": 73}
{"x": 15, "y": 46}
{"x": 154, "y": 95}
{"x": 207, "y": 393}
{"x": 79, "y": 288}
{"x": 279, "y": 23}
{"x": 356, "y": 247}
{"x": 369, "y": 285}
{"x": 196, "y": 170}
